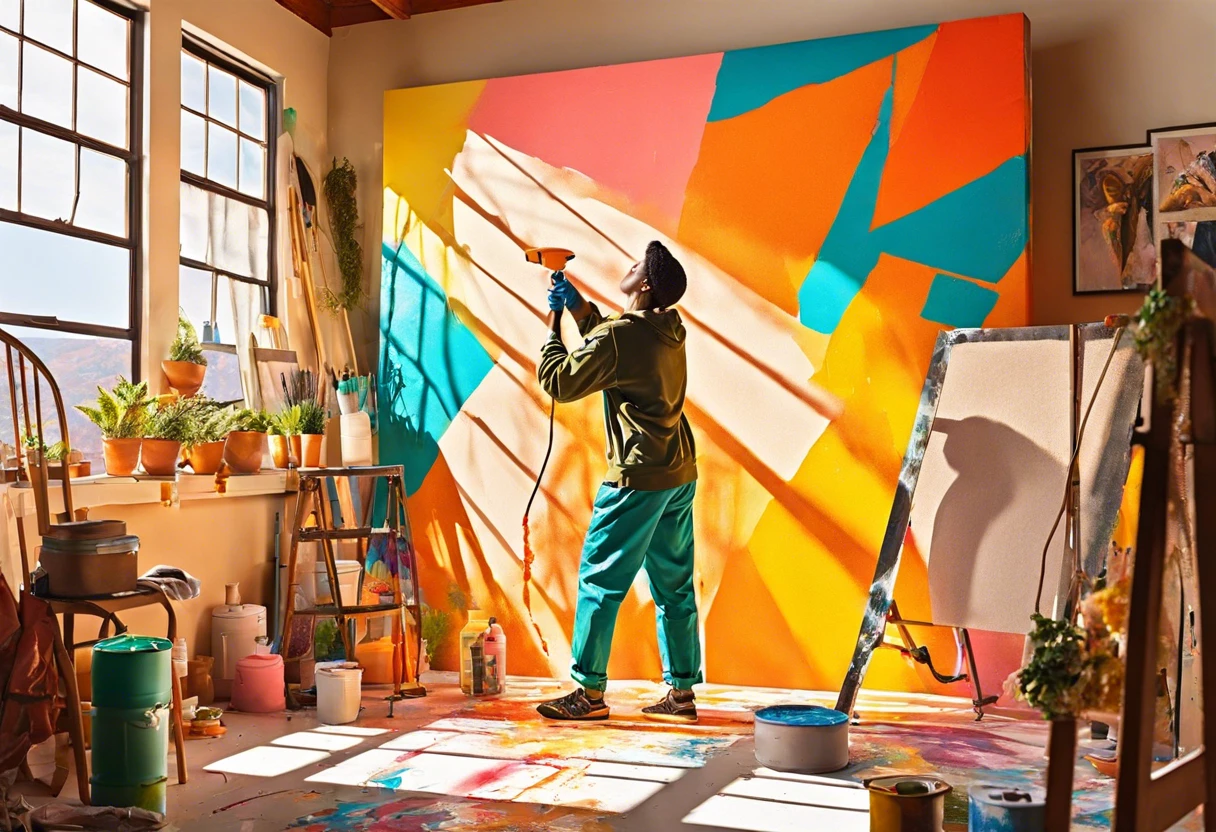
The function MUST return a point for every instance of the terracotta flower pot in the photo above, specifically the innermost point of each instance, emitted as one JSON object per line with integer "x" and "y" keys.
{"x": 185, "y": 377}
{"x": 310, "y": 445}
{"x": 279, "y": 450}
{"x": 293, "y": 443}
{"x": 159, "y": 456}
{"x": 206, "y": 458}
{"x": 121, "y": 456}
{"x": 243, "y": 450}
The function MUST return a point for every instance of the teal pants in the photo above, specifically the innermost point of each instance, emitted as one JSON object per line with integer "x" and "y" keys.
{"x": 631, "y": 529}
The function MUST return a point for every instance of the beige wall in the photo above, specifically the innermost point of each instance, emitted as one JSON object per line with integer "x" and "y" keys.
{"x": 263, "y": 33}
{"x": 1104, "y": 71}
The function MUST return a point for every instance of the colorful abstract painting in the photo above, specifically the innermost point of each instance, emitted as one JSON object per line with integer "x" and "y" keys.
{"x": 835, "y": 203}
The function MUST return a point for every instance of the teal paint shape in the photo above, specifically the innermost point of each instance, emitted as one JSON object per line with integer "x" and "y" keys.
{"x": 750, "y": 78}
{"x": 849, "y": 252}
{"x": 979, "y": 230}
{"x": 958, "y": 303}
{"x": 430, "y": 363}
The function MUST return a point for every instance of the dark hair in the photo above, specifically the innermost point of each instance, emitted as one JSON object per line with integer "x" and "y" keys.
{"x": 666, "y": 276}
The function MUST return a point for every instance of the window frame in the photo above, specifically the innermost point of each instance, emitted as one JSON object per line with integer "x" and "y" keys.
{"x": 132, "y": 155}
{"x": 204, "y": 51}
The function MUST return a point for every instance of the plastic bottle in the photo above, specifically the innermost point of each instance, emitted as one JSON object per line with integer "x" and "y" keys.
{"x": 468, "y": 638}
{"x": 180, "y": 657}
{"x": 496, "y": 656}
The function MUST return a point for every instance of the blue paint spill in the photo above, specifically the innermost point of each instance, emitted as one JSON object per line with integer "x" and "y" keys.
{"x": 811, "y": 716}
{"x": 750, "y": 78}
{"x": 430, "y": 363}
{"x": 959, "y": 303}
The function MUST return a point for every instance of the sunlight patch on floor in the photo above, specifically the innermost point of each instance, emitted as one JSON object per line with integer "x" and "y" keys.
{"x": 267, "y": 761}
{"x": 785, "y": 803}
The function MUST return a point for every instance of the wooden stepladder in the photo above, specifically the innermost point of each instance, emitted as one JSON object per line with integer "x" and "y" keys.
{"x": 314, "y": 522}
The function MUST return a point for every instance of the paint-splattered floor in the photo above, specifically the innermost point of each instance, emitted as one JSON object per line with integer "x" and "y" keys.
{"x": 449, "y": 763}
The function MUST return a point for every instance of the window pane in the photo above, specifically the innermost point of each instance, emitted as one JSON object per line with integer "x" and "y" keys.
{"x": 103, "y": 39}
{"x": 48, "y": 176}
{"x": 46, "y": 85}
{"x": 221, "y": 95}
{"x": 78, "y": 364}
{"x": 194, "y": 143}
{"x": 50, "y": 21}
{"x": 10, "y": 14}
{"x": 70, "y": 278}
{"x": 253, "y": 111}
{"x": 194, "y": 83}
{"x": 101, "y": 107}
{"x": 223, "y": 310}
{"x": 194, "y": 296}
{"x": 224, "y": 233}
{"x": 8, "y": 165}
{"x": 221, "y": 155}
{"x": 223, "y": 379}
{"x": 253, "y": 169}
{"x": 103, "y": 193}
{"x": 8, "y": 71}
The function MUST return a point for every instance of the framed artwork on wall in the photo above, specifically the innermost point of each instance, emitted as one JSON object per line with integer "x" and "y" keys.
{"x": 1114, "y": 238}
{"x": 1184, "y": 186}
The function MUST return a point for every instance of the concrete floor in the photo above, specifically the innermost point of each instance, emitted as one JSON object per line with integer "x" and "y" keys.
{"x": 458, "y": 763}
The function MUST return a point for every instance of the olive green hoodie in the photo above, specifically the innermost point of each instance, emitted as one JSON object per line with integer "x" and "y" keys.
{"x": 637, "y": 360}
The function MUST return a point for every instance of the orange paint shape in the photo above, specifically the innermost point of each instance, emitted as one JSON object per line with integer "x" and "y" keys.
{"x": 910, "y": 65}
{"x": 969, "y": 115}
{"x": 768, "y": 183}
{"x": 1013, "y": 306}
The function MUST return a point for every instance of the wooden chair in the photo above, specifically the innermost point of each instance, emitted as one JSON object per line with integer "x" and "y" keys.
{"x": 30, "y": 387}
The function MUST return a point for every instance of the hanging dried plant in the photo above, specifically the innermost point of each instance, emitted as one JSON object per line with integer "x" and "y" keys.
{"x": 340, "y": 184}
{"x": 1157, "y": 324}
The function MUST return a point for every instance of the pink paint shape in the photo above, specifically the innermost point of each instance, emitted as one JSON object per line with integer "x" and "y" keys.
{"x": 633, "y": 128}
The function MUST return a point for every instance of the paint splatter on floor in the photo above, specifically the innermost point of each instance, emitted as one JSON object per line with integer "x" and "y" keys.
{"x": 419, "y": 814}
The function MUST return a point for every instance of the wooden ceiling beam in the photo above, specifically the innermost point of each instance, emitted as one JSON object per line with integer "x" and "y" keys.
{"x": 427, "y": 6}
{"x": 396, "y": 9}
{"x": 354, "y": 12}
{"x": 314, "y": 12}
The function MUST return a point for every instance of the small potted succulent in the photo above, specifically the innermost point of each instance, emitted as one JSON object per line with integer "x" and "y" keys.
{"x": 169, "y": 426}
{"x": 285, "y": 436}
{"x": 205, "y": 449}
{"x": 121, "y": 415}
{"x": 186, "y": 366}
{"x": 312, "y": 433}
{"x": 245, "y": 444}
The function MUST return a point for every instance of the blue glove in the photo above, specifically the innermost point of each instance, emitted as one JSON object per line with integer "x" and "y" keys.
{"x": 569, "y": 295}
{"x": 556, "y": 301}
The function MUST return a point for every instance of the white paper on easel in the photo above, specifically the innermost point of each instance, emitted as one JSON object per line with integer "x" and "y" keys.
{"x": 992, "y": 482}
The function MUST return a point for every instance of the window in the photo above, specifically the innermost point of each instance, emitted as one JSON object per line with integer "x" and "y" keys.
{"x": 69, "y": 194}
{"x": 227, "y": 207}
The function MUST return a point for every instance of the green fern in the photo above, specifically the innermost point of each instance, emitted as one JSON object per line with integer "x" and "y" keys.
{"x": 186, "y": 346}
{"x": 121, "y": 413}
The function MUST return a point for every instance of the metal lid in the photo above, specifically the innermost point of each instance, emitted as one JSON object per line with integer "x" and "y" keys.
{"x": 239, "y": 611}
{"x": 908, "y": 786}
{"x": 808, "y": 716}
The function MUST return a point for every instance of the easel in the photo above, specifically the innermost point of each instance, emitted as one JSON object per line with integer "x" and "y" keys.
{"x": 1148, "y": 801}
{"x": 312, "y": 504}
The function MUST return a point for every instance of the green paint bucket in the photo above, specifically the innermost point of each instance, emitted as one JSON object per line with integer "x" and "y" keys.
{"x": 150, "y": 796}
{"x": 132, "y": 672}
{"x": 132, "y": 691}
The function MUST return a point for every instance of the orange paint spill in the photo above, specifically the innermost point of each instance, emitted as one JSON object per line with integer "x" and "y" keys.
{"x": 529, "y": 557}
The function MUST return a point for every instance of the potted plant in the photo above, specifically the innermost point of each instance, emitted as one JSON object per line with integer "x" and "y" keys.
{"x": 312, "y": 433}
{"x": 246, "y": 442}
{"x": 186, "y": 365}
{"x": 168, "y": 427}
{"x": 285, "y": 436}
{"x": 121, "y": 415}
{"x": 205, "y": 449}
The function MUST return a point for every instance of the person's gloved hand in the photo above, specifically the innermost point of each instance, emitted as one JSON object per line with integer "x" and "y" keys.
{"x": 570, "y": 296}
{"x": 556, "y": 301}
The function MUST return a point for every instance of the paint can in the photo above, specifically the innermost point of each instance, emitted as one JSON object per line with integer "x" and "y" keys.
{"x": 1005, "y": 809}
{"x": 804, "y": 738}
{"x": 907, "y": 803}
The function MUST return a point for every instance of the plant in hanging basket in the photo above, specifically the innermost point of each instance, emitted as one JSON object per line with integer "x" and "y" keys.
{"x": 340, "y": 185}
{"x": 186, "y": 365}
{"x": 1158, "y": 322}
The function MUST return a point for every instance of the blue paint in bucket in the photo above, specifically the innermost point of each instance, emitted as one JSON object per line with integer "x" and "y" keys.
{"x": 810, "y": 716}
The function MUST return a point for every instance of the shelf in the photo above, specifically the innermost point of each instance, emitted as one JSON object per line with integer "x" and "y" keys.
{"x": 312, "y": 533}
{"x": 331, "y": 611}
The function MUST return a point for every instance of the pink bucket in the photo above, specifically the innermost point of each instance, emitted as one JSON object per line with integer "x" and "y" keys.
{"x": 257, "y": 687}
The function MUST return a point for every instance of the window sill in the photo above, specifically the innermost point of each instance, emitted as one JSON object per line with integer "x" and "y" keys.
{"x": 103, "y": 490}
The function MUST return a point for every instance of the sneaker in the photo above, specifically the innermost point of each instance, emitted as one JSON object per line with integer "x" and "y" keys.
{"x": 676, "y": 706}
{"x": 574, "y": 706}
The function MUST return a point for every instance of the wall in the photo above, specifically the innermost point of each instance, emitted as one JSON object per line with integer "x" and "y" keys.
{"x": 1103, "y": 74}
{"x": 265, "y": 35}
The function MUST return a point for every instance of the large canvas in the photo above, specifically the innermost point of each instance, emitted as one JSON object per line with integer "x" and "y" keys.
{"x": 836, "y": 203}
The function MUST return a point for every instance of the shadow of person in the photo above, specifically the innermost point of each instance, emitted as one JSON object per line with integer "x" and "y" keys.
{"x": 990, "y": 526}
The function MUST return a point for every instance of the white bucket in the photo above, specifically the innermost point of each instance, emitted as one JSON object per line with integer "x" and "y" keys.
{"x": 339, "y": 690}
{"x": 356, "y": 433}
{"x": 316, "y": 591}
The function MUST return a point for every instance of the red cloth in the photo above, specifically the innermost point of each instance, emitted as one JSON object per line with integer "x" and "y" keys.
{"x": 29, "y": 677}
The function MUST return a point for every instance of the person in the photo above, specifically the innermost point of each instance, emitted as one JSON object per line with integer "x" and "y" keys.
{"x": 642, "y": 514}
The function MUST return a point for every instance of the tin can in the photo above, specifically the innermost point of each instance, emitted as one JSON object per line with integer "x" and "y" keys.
{"x": 907, "y": 803}
{"x": 1006, "y": 809}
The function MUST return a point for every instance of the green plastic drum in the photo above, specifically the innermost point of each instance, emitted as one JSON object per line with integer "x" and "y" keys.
{"x": 132, "y": 672}
{"x": 129, "y": 746}
{"x": 150, "y": 796}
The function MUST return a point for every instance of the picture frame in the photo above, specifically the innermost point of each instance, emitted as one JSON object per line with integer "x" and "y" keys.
{"x": 1184, "y": 181}
{"x": 1114, "y": 234}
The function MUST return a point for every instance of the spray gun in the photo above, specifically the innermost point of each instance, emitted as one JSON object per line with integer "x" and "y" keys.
{"x": 555, "y": 260}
